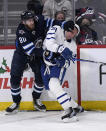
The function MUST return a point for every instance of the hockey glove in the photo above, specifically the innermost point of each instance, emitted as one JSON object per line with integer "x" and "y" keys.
{"x": 60, "y": 61}
{"x": 66, "y": 53}
{"x": 38, "y": 43}
{"x": 74, "y": 58}
{"x": 48, "y": 55}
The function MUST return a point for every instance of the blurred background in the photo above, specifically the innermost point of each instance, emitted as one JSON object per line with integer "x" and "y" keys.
{"x": 10, "y": 11}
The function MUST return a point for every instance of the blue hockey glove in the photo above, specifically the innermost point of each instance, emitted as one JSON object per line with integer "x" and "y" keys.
{"x": 60, "y": 61}
{"x": 74, "y": 58}
{"x": 66, "y": 53}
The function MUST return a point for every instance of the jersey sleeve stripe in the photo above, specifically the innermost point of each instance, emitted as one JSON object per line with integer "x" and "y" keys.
{"x": 51, "y": 38}
{"x": 50, "y": 33}
{"x": 30, "y": 51}
{"x": 28, "y": 45}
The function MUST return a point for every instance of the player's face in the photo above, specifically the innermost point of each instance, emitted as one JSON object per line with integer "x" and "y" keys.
{"x": 30, "y": 23}
{"x": 72, "y": 34}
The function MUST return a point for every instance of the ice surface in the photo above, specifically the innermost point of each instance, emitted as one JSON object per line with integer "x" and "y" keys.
{"x": 50, "y": 121}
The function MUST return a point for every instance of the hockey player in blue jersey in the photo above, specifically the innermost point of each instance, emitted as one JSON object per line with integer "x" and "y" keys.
{"x": 57, "y": 56}
{"x": 36, "y": 7}
{"x": 29, "y": 36}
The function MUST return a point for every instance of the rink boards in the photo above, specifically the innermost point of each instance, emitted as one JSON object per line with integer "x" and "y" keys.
{"x": 93, "y": 94}
{"x": 26, "y": 85}
{"x": 54, "y": 105}
{"x": 91, "y": 77}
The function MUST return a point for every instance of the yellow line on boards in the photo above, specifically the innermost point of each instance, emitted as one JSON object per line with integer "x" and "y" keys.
{"x": 54, "y": 105}
{"x": 50, "y": 105}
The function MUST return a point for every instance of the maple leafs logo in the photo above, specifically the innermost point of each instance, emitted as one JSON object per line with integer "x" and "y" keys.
{"x": 4, "y": 68}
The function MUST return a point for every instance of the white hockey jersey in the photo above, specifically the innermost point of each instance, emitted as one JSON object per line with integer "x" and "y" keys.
{"x": 55, "y": 37}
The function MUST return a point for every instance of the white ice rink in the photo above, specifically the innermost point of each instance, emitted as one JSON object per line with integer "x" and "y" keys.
{"x": 50, "y": 121}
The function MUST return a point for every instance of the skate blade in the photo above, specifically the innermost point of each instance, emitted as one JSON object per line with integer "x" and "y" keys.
{"x": 11, "y": 113}
{"x": 72, "y": 119}
{"x": 41, "y": 110}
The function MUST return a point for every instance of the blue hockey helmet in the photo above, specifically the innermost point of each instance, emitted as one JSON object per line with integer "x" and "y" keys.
{"x": 27, "y": 15}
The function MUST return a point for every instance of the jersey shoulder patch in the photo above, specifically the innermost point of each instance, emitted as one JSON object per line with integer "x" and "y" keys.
{"x": 21, "y": 32}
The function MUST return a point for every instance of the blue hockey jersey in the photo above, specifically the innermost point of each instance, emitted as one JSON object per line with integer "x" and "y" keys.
{"x": 26, "y": 39}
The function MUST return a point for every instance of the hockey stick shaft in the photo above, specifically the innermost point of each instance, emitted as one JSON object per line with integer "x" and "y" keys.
{"x": 84, "y": 60}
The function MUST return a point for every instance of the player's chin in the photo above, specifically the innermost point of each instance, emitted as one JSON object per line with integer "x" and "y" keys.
{"x": 31, "y": 27}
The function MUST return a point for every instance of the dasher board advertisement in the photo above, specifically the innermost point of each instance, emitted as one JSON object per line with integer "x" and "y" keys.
{"x": 27, "y": 82}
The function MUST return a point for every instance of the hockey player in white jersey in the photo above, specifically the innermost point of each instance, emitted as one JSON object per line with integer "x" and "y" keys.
{"x": 57, "y": 57}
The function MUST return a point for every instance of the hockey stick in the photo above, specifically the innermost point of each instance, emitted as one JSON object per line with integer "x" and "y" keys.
{"x": 84, "y": 60}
